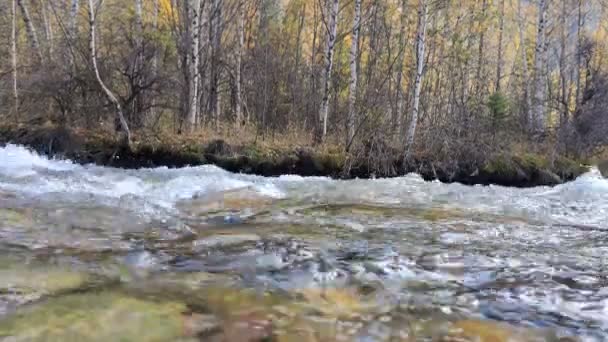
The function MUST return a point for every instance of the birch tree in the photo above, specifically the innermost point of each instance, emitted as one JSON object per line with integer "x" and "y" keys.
{"x": 215, "y": 41}
{"x": 93, "y": 5}
{"x": 524, "y": 64}
{"x": 193, "y": 63}
{"x": 563, "y": 69}
{"x": 73, "y": 19}
{"x": 354, "y": 77}
{"x": 48, "y": 28}
{"x": 580, "y": 26}
{"x": 332, "y": 30}
{"x": 538, "y": 110}
{"x": 14, "y": 57}
{"x": 501, "y": 29}
{"x": 423, "y": 13}
{"x": 239, "y": 61}
{"x": 32, "y": 34}
{"x": 399, "y": 79}
{"x": 154, "y": 66}
{"x": 72, "y": 33}
{"x": 482, "y": 48}
{"x": 139, "y": 64}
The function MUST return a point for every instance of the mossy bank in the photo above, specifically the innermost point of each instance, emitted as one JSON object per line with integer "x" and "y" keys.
{"x": 88, "y": 147}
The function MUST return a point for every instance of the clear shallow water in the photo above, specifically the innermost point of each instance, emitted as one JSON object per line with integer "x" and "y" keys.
{"x": 530, "y": 257}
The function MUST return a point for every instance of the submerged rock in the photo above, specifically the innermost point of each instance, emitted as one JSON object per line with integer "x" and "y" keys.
{"x": 225, "y": 201}
{"x": 487, "y": 331}
{"x": 104, "y": 316}
{"x": 19, "y": 285}
{"x": 218, "y": 241}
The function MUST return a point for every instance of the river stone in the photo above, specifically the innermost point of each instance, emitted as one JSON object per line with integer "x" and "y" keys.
{"x": 225, "y": 201}
{"x": 547, "y": 177}
{"x": 15, "y": 218}
{"x": 105, "y": 316}
{"x": 219, "y": 241}
{"x": 20, "y": 285}
{"x": 487, "y": 331}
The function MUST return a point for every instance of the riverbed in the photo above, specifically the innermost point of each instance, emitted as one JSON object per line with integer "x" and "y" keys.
{"x": 198, "y": 253}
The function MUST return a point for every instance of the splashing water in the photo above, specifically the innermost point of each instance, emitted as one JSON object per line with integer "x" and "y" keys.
{"x": 532, "y": 257}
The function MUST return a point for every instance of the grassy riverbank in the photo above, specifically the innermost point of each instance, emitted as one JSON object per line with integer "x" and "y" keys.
{"x": 249, "y": 153}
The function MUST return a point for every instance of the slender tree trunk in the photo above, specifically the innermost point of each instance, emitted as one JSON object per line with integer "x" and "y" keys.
{"x": 295, "y": 93}
{"x": 481, "y": 53}
{"x": 423, "y": 13}
{"x": 107, "y": 92}
{"x": 562, "y": 65}
{"x": 72, "y": 33}
{"x": 239, "y": 61}
{"x": 193, "y": 63}
{"x": 30, "y": 28}
{"x": 154, "y": 72}
{"x": 48, "y": 29}
{"x": 501, "y": 28}
{"x": 398, "y": 119}
{"x": 524, "y": 65}
{"x": 579, "y": 50}
{"x": 332, "y": 30}
{"x": 138, "y": 102}
{"x": 313, "y": 55}
{"x": 73, "y": 20}
{"x": 538, "y": 110}
{"x": 14, "y": 57}
{"x": 215, "y": 37}
{"x": 354, "y": 77}
{"x": 204, "y": 65}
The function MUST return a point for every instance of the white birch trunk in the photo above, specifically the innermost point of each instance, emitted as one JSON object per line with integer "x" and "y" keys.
{"x": 399, "y": 89}
{"x": 139, "y": 61}
{"x": 579, "y": 47}
{"x": 239, "y": 60}
{"x": 216, "y": 22}
{"x": 194, "y": 60}
{"x": 107, "y": 92}
{"x": 538, "y": 109}
{"x": 354, "y": 77}
{"x": 48, "y": 29}
{"x": 423, "y": 13}
{"x": 14, "y": 57}
{"x": 73, "y": 20}
{"x": 501, "y": 28}
{"x": 563, "y": 68}
{"x": 332, "y": 29}
{"x": 152, "y": 113}
{"x": 32, "y": 34}
{"x": 204, "y": 68}
{"x": 72, "y": 29}
{"x": 524, "y": 61}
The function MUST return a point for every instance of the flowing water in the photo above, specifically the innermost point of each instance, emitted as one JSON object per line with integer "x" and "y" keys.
{"x": 96, "y": 253}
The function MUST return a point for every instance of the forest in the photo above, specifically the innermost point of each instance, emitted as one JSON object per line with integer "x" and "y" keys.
{"x": 386, "y": 85}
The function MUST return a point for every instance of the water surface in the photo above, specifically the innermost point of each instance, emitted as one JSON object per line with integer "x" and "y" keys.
{"x": 294, "y": 258}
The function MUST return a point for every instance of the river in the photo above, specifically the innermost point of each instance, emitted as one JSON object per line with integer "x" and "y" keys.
{"x": 229, "y": 257}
